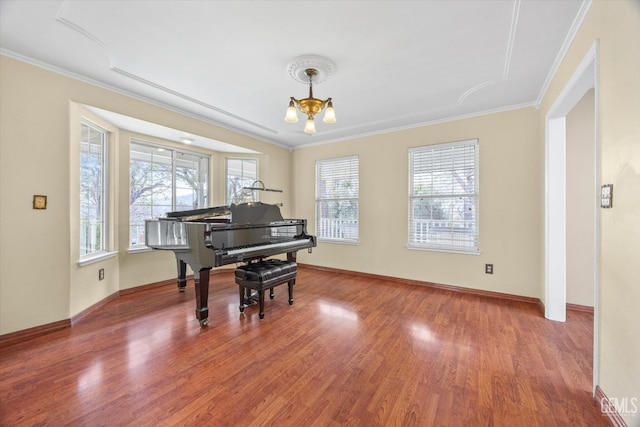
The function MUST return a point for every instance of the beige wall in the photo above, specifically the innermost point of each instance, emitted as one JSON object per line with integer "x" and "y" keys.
{"x": 34, "y": 159}
{"x": 615, "y": 26}
{"x": 581, "y": 201}
{"x": 40, "y": 279}
{"x": 509, "y": 188}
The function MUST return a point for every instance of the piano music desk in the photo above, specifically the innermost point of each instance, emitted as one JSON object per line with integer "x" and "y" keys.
{"x": 264, "y": 275}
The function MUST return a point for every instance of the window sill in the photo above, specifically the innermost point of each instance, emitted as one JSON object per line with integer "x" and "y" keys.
{"x": 340, "y": 242}
{"x": 449, "y": 251}
{"x": 138, "y": 249}
{"x": 91, "y": 259}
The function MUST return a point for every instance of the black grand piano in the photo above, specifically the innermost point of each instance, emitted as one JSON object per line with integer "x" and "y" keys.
{"x": 212, "y": 237}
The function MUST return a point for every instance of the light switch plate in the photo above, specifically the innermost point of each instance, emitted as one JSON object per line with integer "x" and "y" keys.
{"x": 606, "y": 196}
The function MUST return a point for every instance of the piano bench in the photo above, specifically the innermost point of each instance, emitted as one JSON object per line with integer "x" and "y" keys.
{"x": 264, "y": 275}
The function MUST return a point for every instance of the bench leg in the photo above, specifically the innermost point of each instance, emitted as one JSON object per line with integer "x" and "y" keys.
{"x": 271, "y": 293}
{"x": 241, "y": 299}
{"x": 291, "y": 282}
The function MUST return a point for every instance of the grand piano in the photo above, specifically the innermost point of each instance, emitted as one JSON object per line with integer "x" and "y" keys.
{"x": 217, "y": 236}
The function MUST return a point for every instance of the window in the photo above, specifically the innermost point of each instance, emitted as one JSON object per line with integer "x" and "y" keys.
{"x": 443, "y": 198}
{"x": 93, "y": 189}
{"x": 163, "y": 180}
{"x": 337, "y": 190}
{"x": 241, "y": 173}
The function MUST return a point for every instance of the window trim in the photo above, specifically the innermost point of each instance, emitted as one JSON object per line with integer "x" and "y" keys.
{"x": 141, "y": 247}
{"x": 106, "y": 196}
{"x": 470, "y": 250}
{"x": 320, "y": 238}
{"x": 226, "y": 177}
{"x": 97, "y": 257}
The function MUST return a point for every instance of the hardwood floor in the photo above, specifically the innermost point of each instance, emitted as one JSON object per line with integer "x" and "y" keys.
{"x": 351, "y": 351}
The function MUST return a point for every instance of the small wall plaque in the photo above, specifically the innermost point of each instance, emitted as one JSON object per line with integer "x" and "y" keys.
{"x": 606, "y": 196}
{"x": 39, "y": 202}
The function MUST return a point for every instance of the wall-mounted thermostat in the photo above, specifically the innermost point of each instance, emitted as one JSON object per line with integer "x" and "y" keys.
{"x": 606, "y": 196}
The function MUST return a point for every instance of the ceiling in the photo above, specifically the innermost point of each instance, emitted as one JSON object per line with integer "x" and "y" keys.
{"x": 398, "y": 64}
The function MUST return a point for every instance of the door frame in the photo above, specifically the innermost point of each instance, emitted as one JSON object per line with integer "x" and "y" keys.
{"x": 583, "y": 79}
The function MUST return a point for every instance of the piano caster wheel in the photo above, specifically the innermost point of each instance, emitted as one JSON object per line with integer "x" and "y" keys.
{"x": 204, "y": 322}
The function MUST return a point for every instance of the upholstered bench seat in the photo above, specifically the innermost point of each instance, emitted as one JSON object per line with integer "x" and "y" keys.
{"x": 264, "y": 275}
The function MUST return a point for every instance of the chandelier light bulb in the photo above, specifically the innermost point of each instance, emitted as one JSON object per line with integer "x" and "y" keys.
{"x": 329, "y": 113}
{"x": 310, "y": 127}
{"x": 292, "y": 114}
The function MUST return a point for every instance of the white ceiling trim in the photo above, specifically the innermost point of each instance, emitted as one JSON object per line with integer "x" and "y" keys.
{"x": 114, "y": 67}
{"x": 66, "y": 73}
{"x": 507, "y": 60}
{"x": 573, "y": 31}
{"x": 190, "y": 99}
{"x": 87, "y": 34}
{"x": 423, "y": 124}
{"x": 458, "y": 59}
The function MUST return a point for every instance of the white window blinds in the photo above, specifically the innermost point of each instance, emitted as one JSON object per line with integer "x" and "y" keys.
{"x": 337, "y": 191}
{"x": 443, "y": 199}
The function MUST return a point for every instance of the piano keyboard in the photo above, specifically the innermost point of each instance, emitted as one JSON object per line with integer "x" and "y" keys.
{"x": 261, "y": 247}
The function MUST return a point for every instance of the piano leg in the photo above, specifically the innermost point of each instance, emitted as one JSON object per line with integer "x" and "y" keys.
{"x": 291, "y": 257}
{"x": 202, "y": 296}
{"x": 182, "y": 275}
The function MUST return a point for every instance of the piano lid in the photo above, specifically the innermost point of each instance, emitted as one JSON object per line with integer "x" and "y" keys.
{"x": 197, "y": 214}
{"x": 243, "y": 213}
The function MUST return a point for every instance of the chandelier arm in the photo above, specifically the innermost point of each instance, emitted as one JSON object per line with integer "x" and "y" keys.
{"x": 298, "y": 101}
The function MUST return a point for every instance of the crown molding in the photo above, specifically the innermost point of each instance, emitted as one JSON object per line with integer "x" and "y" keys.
{"x": 70, "y": 74}
{"x": 422, "y": 124}
{"x": 573, "y": 31}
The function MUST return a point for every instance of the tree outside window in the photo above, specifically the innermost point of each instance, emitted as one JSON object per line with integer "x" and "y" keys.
{"x": 93, "y": 189}
{"x": 163, "y": 180}
{"x": 443, "y": 199}
{"x": 241, "y": 173}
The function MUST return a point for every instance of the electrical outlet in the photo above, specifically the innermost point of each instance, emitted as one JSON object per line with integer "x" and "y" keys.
{"x": 101, "y": 274}
{"x": 488, "y": 268}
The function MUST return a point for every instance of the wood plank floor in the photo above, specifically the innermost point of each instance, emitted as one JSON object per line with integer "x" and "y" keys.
{"x": 351, "y": 351}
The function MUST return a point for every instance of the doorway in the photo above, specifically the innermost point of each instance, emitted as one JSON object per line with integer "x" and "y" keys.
{"x": 583, "y": 79}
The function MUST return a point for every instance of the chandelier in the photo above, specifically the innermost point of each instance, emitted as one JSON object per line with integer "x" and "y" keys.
{"x": 310, "y": 106}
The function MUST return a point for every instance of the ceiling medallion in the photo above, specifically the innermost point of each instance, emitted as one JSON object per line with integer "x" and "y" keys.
{"x": 297, "y": 67}
{"x": 310, "y": 69}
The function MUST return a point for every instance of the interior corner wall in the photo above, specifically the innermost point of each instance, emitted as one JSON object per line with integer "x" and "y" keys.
{"x": 85, "y": 288}
{"x": 581, "y": 201}
{"x": 615, "y": 27}
{"x": 38, "y": 261}
{"x": 509, "y": 179}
